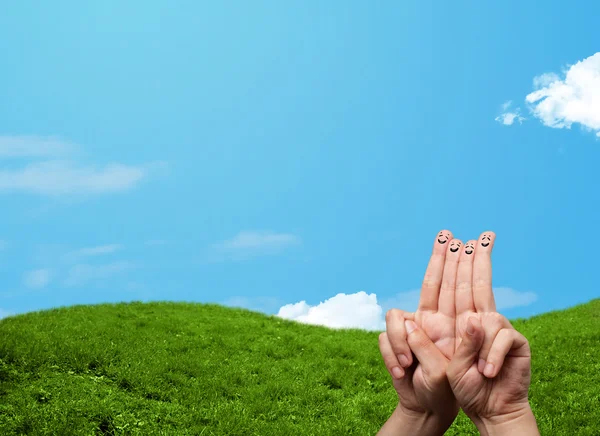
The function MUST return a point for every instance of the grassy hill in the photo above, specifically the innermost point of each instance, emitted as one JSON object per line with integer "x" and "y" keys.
{"x": 195, "y": 369}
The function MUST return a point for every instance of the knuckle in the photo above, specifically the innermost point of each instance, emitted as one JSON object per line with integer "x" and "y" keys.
{"x": 480, "y": 284}
{"x": 390, "y": 362}
{"x": 447, "y": 285}
{"x": 430, "y": 283}
{"x": 463, "y": 286}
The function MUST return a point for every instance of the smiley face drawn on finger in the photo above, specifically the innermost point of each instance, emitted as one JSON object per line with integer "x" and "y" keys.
{"x": 485, "y": 240}
{"x": 469, "y": 248}
{"x": 443, "y": 237}
{"x": 454, "y": 246}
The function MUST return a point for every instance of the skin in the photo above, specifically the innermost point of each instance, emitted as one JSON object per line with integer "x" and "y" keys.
{"x": 459, "y": 338}
{"x": 421, "y": 384}
{"x": 490, "y": 372}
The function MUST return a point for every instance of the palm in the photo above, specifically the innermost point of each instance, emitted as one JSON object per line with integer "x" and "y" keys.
{"x": 440, "y": 328}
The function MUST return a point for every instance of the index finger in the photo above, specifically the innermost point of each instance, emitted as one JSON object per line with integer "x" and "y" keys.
{"x": 430, "y": 290}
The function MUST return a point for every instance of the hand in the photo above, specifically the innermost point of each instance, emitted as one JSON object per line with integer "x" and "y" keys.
{"x": 422, "y": 387}
{"x": 490, "y": 371}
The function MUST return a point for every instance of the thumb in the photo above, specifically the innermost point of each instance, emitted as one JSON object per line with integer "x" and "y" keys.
{"x": 433, "y": 362}
{"x": 467, "y": 352}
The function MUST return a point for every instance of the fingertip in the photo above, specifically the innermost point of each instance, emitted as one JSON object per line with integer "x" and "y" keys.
{"x": 473, "y": 326}
{"x": 473, "y": 334}
{"x": 397, "y": 372}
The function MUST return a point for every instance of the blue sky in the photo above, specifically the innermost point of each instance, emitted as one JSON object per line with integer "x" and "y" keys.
{"x": 267, "y": 154}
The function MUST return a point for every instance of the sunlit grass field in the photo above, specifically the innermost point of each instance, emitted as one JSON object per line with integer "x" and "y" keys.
{"x": 166, "y": 368}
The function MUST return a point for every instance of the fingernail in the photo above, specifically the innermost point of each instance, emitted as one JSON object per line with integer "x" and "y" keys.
{"x": 481, "y": 365}
{"x": 397, "y": 372}
{"x": 410, "y": 326}
{"x": 403, "y": 360}
{"x": 470, "y": 327}
{"x": 489, "y": 370}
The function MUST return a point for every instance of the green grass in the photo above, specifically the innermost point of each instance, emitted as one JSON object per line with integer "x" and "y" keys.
{"x": 195, "y": 369}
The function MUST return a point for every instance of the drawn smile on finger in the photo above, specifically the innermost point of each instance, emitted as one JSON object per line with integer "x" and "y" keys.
{"x": 443, "y": 238}
{"x": 469, "y": 248}
{"x": 454, "y": 246}
{"x": 485, "y": 240}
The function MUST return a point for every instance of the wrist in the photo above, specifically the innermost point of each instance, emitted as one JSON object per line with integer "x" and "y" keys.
{"x": 409, "y": 422}
{"x": 520, "y": 422}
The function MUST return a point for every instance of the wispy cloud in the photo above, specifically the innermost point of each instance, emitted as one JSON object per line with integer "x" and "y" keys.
{"x": 101, "y": 249}
{"x": 361, "y": 310}
{"x": 38, "y": 278}
{"x": 507, "y": 298}
{"x": 63, "y": 177}
{"x": 509, "y": 117}
{"x": 35, "y": 146}
{"x": 559, "y": 103}
{"x": 82, "y": 274}
{"x": 254, "y": 243}
{"x": 58, "y": 174}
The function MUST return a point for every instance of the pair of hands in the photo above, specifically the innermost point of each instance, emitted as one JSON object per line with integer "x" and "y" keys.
{"x": 466, "y": 355}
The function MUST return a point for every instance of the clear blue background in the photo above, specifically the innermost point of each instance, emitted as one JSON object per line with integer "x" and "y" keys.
{"x": 361, "y": 128}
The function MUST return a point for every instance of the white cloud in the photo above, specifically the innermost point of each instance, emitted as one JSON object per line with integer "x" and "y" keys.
{"x": 253, "y": 243}
{"x": 38, "y": 278}
{"x": 49, "y": 172}
{"x": 361, "y": 310}
{"x": 508, "y": 118}
{"x": 82, "y": 273}
{"x": 559, "y": 103}
{"x": 507, "y": 298}
{"x": 34, "y": 146}
{"x": 64, "y": 177}
{"x": 101, "y": 249}
{"x": 357, "y": 310}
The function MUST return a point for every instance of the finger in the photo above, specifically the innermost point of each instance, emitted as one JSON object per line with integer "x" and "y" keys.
{"x": 396, "y": 334}
{"x": 467, "y": 351}
{"x": 404, "y": 314}
{"x": 446, "y": 304}
{"x": 483, "y": 296}
{"x": 464, "y": 279}
{"x": 389, "y": 358}
{"x": 433, "y": 274}
{"x": 494, "y": 323}
{"x": 508, "y": 341}
{"x": 433, "y": 362}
